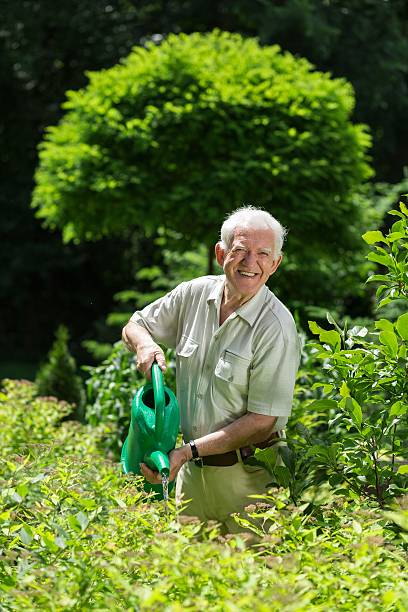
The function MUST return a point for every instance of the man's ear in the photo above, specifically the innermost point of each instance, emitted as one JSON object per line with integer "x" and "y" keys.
{"x": 277, "y": 263}
{"x": 219, "y": 254}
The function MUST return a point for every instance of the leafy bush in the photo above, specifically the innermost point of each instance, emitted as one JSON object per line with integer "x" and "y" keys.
{"x": 366, "y": 385}
{"x": 58, "y": 377}
{"x": 191, "y": 128}
{"x": 76, "y": 535}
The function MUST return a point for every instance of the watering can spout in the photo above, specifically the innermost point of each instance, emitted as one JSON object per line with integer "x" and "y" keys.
{"x": 158, "y": 461}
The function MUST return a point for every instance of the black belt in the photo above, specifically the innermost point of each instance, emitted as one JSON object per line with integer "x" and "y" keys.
{"x": 231, "y": 458}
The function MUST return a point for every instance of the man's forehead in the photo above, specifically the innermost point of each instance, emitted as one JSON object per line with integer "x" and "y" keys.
{"x": 262, "y": 237}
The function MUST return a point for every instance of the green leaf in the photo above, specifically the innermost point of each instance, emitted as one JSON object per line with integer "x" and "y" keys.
{"x": 315, "y": 328}
{"x": 355, "y": 411}
{"x": 333, "y": 322}
{"x": 403, "y": 469}
{"x": 402, "y": 326}
{"x": 82, "y": 520}
{"x": 381, "y": 289}
{"x": 344, "y": 390}
{"x": 395, "y": 213}
{"x": 26, "y": 535}
{"x": 384, "y": 302}
{"x": 393, "y": 236}
{"x": 403, "y": 208}
{"x": 373, "y": 237}
{"x": 400, "y": 518}
{"x": 377, "y": 277}
{"x": 323, "y": 404}
{"x": 324, "y": 386}
{"x": 398, "y": 409}
{"x": 389, "y": 339}
{"x": 385, "y": 325}
{"x": 120, "y": 502}
{"x": 282, "y": 475}
{"x": 48, "y": 540}
{"x": 332, "y": 338}
{"x": 384, "y": 260}
{"x": 22, "y": 490}
{"x": 288, "y": 458}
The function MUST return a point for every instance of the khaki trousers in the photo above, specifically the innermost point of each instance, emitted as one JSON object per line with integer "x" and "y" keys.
{"x": 217, "y": 492}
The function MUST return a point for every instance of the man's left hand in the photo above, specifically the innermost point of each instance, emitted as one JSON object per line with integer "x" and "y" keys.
{"x": 177, "y": 459}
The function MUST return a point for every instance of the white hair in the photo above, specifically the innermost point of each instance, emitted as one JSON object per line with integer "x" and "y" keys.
{"x": 250, "y": 217}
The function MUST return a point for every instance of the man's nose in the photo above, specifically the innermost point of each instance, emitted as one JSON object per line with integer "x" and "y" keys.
{"x": 250, "y": 258}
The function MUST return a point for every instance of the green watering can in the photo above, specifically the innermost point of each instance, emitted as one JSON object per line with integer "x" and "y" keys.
{"x": 153, "y": 430}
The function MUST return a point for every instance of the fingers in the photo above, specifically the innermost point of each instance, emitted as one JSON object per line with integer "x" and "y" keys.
{"x": 147, "y": 356}
{"x": 161, "y": 360}
{"x": 150, "y": 475}
{"x": 145, "y": 368}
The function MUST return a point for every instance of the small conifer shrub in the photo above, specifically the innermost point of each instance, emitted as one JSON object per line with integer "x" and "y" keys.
{"x": 58, "y": 375}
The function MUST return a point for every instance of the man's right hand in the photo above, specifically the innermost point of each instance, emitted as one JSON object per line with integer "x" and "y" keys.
{"x": 138, "y": 340}
{"x": 146, "y": 356}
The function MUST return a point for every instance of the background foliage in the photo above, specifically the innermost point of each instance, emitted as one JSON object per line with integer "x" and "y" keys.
{"x": 58, "y": 376}
{"x": 46, "y": 49}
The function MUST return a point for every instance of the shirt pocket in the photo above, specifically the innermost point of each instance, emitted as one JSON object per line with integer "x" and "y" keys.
{"x": 233, "y": 369}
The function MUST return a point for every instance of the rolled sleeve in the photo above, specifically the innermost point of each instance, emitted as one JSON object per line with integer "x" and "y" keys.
{"x": 161, "y": 317}
{"x": 273, "y": 374}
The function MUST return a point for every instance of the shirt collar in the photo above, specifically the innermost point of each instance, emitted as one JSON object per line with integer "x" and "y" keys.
{"x": 248, "y": 311}
{"x": 217, "y": 291}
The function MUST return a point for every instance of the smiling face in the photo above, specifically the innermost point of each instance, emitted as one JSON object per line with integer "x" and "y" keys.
{"x": 249, "y": 261}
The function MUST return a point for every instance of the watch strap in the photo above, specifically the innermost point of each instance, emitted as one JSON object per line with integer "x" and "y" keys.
{"x": 194, "y": 450}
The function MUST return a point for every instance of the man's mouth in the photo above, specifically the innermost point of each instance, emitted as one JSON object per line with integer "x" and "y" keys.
{"x": 248, "y": 274}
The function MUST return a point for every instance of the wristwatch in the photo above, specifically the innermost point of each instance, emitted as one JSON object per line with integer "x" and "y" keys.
{"x": 194, "y": 451}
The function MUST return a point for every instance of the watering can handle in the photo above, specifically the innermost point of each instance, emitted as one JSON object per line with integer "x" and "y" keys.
{"x": 159, "y": 399}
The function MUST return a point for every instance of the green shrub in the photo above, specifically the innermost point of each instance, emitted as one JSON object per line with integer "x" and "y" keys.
{"x": 58, "y": 377}
{"x": 180, "y": 133}
{"x": 365, "y": 386}
{"x": 76, "y": 535}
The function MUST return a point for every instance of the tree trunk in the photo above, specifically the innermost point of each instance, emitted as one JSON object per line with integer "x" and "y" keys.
{"x": 210, "y": 266}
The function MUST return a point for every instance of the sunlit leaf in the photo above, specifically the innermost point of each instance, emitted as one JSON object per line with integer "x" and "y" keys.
{"x": 373, "y": 236}
{"x": 402, "y": 325}
{"x": 389, "y": 339}
{"x": 385, "y": 325}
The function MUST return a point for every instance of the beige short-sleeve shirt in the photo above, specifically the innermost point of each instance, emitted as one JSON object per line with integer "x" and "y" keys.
{"x": 248, "y": 364}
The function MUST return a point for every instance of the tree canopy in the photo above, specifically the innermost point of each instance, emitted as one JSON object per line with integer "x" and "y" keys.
{"x": 181, "y": 132}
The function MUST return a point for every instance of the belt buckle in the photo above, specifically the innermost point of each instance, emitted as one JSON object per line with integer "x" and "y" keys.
{"x": 198, "y": 462}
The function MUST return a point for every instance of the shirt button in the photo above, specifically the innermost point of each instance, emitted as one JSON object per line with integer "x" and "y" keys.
{"x": 199, "y": 395}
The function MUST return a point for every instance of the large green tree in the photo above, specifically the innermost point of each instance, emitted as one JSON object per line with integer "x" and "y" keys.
{"x": 182, "y": 132}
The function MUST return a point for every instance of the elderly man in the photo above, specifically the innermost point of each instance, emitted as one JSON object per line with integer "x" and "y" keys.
{"x": 237, "y": 355}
